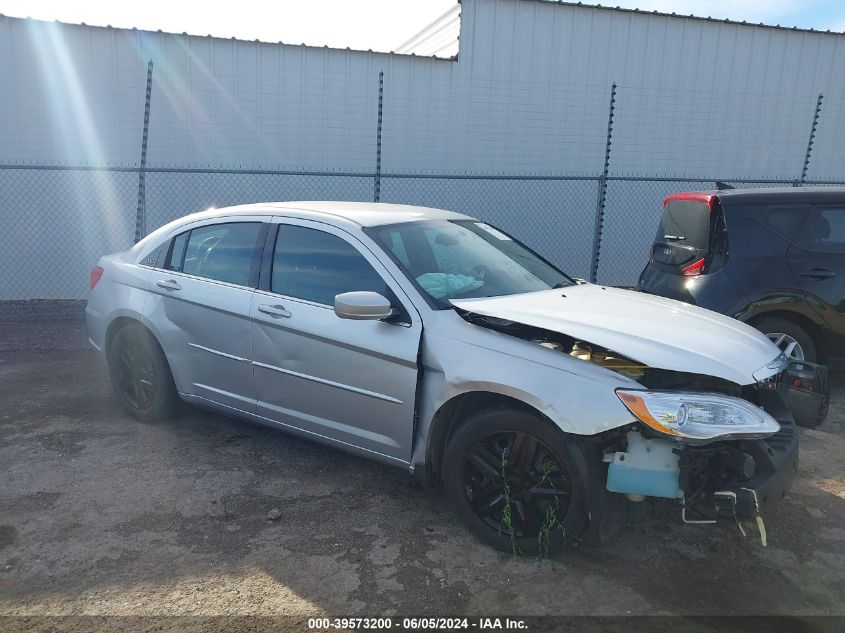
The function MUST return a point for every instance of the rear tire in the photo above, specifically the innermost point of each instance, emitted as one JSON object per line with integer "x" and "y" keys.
{"x": 140, "y": 375}
{"x": 778, "y": 325}
{"x": 547, "y": 497}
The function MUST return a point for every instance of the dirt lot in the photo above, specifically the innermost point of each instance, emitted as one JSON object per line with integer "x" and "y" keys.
{"x": 103, "y": 515}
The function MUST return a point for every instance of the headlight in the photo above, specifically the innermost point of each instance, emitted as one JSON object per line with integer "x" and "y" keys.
{"x": 698, "y": 416}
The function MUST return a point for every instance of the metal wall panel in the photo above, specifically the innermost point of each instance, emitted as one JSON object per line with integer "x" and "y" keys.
{"x": 528, "y": 94}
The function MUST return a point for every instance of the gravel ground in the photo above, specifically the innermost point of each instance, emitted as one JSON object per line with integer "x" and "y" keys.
{"x": 102, "y": 515}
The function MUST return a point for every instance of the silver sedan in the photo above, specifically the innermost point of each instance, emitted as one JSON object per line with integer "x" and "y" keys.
{"x": 438, "y": 343}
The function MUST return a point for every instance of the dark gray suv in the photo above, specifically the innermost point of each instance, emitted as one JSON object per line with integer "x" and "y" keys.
{"x": 773, "y": 258}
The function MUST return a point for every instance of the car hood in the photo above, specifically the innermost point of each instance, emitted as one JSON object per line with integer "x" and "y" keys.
{"x": 658, "y": 332}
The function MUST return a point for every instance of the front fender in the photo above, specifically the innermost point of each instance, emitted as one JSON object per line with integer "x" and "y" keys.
{"x": 575, "y": 395}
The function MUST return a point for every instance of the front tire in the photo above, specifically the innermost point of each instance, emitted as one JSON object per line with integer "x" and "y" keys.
{"x": 140, "y": 375}
{"x": 517, "y": 482}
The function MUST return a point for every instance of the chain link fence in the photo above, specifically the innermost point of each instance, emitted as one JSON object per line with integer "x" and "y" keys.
{"x": 170, "y": 194}
{"x": 57, "y": 221}
{"x": 55, "y": 224}
{"x": 575, "y": 169}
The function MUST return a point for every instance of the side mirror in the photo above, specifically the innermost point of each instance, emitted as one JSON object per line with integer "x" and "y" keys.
{"x": 362, "y": 306}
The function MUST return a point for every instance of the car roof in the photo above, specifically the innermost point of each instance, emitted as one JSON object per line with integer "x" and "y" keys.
{"x": 792, "y": 194}
{"x": 360, "y": 213}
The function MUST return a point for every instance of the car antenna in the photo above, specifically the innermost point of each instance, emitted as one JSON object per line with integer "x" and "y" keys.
{"x": 723, "y": 185}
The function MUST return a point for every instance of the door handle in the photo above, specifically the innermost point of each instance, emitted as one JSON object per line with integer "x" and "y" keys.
{"x": 818, "y": 274}
{"x": 168, "y": 284}
{"x": 274, "y": 311}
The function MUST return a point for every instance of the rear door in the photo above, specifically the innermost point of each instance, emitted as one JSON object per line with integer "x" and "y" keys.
{"x": 200, "y": 304}
{"x": 351, "y": 381}
{"x": 817, "y": 257}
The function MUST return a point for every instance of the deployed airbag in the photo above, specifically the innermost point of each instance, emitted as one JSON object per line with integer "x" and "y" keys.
{"x": 442, "y": 285}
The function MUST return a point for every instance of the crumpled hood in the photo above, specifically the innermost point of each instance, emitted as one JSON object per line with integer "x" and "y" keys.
{"x": 658, "y": 332}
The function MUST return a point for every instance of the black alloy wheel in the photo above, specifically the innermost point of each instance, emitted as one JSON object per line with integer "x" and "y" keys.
{"x": 515, "y": 484}
{"x": 519, "y": 483}
{"x": 136, "y": 375}
{"x": 140, "y": 374}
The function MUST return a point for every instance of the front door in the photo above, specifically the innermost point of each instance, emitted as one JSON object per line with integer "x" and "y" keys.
{"x": 351, "y": 381}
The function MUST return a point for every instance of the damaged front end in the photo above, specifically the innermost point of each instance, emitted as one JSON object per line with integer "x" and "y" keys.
{"x": 734, "y": 478}
{"x": 724, "y": 451}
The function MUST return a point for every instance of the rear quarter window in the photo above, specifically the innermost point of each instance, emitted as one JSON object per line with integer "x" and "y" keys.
{"x": 176, "y": 255}
{"x": 153, "y": 258}
{"x": 760, "y": 230}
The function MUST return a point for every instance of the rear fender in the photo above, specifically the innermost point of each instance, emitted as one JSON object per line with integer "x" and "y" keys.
{"x": 784, "y": 302}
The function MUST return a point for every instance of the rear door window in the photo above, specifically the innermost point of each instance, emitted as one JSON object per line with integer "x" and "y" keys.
{"x": 824, "y": 231}
{"x": 222, "y": 252}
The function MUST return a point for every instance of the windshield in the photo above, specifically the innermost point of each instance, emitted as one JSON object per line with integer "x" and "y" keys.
{"x": 465, "y": 259}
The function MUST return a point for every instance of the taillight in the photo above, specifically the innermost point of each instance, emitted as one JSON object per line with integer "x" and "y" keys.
{"x": 95, "y": 275}
{"x": 651, "y": 253}
{"x": 694, "y": 269}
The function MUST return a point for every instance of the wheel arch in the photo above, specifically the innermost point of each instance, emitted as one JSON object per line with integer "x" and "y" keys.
{"x": 452, "y": 413}
{"x": 812, "y": 328}
{"x": 605, "y": 511}
{"x": 116, "y": 325}
{"x": 121, "y": 322}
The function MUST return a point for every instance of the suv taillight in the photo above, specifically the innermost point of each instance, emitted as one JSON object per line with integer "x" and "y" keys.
{"x": 95, "y": 275}
{"x": 693, "y": 270}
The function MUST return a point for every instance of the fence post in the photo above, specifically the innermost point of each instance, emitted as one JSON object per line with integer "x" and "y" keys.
{"x": 602, "y": 190}
{"x": 377, "y": 177}
{"x": 812, "y": 138}
{"x": 141, "y": 213}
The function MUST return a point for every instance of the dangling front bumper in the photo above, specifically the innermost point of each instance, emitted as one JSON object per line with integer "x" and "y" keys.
{"x": 746, "y": 478}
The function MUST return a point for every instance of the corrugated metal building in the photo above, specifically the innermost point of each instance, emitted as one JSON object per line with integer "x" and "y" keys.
{"x": 528, "y": 93}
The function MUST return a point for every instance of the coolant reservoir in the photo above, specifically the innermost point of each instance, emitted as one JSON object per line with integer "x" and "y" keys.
{"x": 649, "y": 468}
